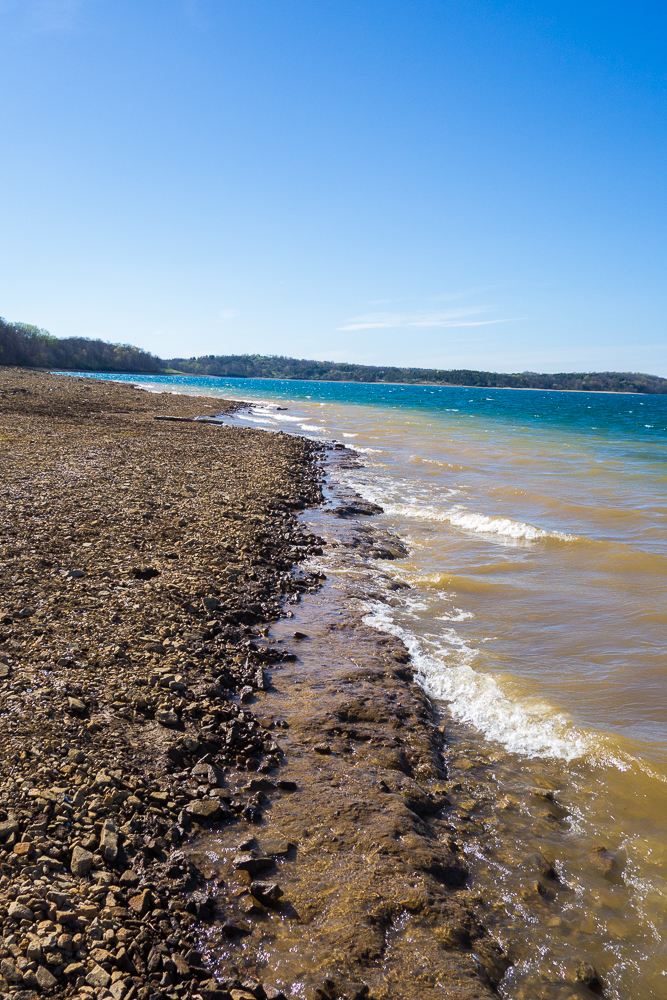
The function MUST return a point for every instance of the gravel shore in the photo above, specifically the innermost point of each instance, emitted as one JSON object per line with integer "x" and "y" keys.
{"x": 142, "y": 561}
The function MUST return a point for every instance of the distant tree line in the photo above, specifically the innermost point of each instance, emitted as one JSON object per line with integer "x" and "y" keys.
{"x": 21, "y": 344}
{"x": 260, "y": 366}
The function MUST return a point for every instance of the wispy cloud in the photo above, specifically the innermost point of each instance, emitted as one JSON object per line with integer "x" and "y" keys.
{"x": 227, "y": 314}
{"x": 443, "y": 318}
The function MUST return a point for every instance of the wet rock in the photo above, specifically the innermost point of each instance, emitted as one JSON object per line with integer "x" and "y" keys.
{"x": 204, "y": 809}
{"x": 268, "y": 893}
{"x": 611, "y": 865}
{"x": 251, "y": 863}
{"x": 587, "y": 974}
{"x": 166, "y": 717}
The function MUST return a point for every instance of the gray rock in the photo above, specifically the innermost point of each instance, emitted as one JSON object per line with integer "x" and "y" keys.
{"x": 98, "y": 978}
{"x": 204, "y": 809}
{"x": 109, "y": 841}
{"x": 166, "y": 717}
{"x": 9, "y": 971}
{"x": 82, "y": 861}
{"x": 8, "y": 827}
{"x": 45, "y": 979}
{"x": 18, "y": 911}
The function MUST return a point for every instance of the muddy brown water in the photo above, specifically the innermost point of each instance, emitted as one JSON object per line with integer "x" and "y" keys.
{"x": 413, "y": 859}
{"x": 372, "y": 881}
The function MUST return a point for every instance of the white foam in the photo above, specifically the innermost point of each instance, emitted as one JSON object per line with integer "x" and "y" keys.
{"x": 458, "y": 517}
{"x": 502, "y": 526}
{"x": 526, "y": 726}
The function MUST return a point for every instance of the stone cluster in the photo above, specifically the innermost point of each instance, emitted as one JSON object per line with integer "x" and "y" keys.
{"x": 139, "y": 562}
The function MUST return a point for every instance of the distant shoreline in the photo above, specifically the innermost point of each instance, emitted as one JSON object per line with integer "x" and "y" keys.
{"x": 334, "y": 381}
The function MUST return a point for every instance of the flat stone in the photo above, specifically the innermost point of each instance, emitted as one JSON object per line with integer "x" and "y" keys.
{"x": 74, "y": 969}
{"x": 76, "y": 705}
{"x": 166, "y": 717}
{"x": 204, "y": 809}
{"x": 251, "y": 863}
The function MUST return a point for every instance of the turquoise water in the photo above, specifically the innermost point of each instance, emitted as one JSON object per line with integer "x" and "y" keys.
{"x": 642, "y": 419}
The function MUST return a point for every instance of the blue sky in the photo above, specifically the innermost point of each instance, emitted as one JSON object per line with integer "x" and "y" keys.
{"x": 466, "y": 184}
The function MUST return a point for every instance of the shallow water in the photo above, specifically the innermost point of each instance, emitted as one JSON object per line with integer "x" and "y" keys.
{"x": 536, "y": 612}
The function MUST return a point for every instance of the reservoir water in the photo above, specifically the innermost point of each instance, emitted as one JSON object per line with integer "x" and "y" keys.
{"x": 535, "y": 614}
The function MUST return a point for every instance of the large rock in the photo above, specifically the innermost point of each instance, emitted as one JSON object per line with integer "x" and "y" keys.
{"x": 18, "y": 911}
{"x": 142, "y": 903}
{"x": 266, "y": 892}
{"x": 7, "y": 828}
{"x": 251, "y": 863}
{"x": 82, "y": 861}
{"x": 98, "y": 978}
{"x": 203, "y": 809}
{"x": 9, "y": 971}
{"x": 45, "y": 979}
{"x": 166, "y": 717}
{"x": 109, "y": 841}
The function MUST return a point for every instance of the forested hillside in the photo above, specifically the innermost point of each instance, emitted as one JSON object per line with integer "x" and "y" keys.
{"x": 259, "y": 366}
{"x": 21, "y": 344}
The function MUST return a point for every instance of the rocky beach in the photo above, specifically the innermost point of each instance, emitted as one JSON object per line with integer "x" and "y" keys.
{"x": 216, "y": 782}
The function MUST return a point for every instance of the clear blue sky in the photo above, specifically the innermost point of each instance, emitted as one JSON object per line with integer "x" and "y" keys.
{"x": 432, "y": 183}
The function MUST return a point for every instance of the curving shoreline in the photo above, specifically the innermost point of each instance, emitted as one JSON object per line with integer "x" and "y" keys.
{"x": 143, "y": 561}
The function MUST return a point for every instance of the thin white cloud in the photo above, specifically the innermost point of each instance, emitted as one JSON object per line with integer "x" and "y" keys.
{"x": 225, "y": 314}
{"x": 446, "y": 318}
